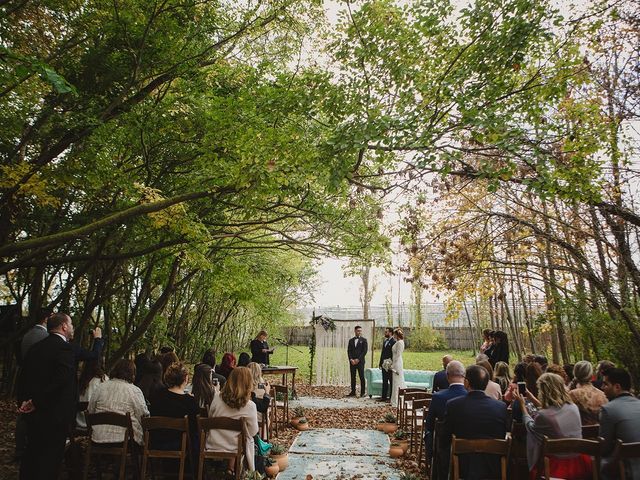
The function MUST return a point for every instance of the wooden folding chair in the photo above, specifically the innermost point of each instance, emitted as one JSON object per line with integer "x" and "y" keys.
{"x": 401, "y": 393}
{"x": 421, "y": 454}
{"x": 568, "y": 446}
{"x": 178, "y": 425}
{"x": 489, "y": 446}
{"x": 518, "y": 466}
{"x": 590, "y": 431}
{"x": 221, "y": 423}
{"x": 405, "y": 420}
{"x": 121, "y": 450}
{"x": 624, "y": 452}
{"x": 280, "y": 406}
{"x": 417, "y": 414}
{"x": 435, "y": 472}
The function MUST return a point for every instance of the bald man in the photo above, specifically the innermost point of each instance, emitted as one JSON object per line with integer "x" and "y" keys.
{"x": 440, "y": 381}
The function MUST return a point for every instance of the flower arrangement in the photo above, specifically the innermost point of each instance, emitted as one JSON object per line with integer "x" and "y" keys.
{"x": 386, "y": 364}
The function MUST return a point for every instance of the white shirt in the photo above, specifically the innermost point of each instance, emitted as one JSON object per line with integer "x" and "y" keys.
{"x": 94, "y": 383}
{"x": 118, "y": 396}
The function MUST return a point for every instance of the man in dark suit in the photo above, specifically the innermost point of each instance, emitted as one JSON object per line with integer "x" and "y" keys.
{"x": 47, "y": 392}
{"x": 357, "y": 351}
{"x": 440, "y": 381}
{"x": 475, "y": 416}
{"x": 455, "y": 378}
{"x": 386, "y": 353}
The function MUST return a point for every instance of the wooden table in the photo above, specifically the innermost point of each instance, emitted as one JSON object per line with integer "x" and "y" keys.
{"x": 284, "y": 371}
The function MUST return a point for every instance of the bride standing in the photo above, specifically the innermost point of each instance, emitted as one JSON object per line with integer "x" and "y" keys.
{"x": 396, "y": 365}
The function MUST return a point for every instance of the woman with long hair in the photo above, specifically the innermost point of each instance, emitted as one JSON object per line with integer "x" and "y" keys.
{"x": 202, "y": 387}
{"x": 486, "y": 337}
{"x": 502, "y": 376}
{"x": 227, "y": 365}
{"x": 397, "y": 365}
{"x": 558, "y": 417}
{"x": 500, "y": 352}
{"x": 91, "y": 376}
{"x": 235, "y": 402}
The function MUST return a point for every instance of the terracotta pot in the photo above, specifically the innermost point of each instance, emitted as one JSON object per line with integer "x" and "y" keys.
{"x": 404, "y": 444}
{"x": 283, "y": 460}
{"x": 272, "y": 470}
{"x": 396, "y": 451}
{"x": 294, "y": 421}
{"x": 380, "y": 426}
{"x": 389, "y": 427}
{"x": 302, "y": 426}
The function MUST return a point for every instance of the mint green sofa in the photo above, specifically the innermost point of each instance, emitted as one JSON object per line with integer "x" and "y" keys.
{"x": 412, "y": 378}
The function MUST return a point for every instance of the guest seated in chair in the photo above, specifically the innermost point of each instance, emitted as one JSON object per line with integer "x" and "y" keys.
{"x": 174, "y": 402}
{"x": 587, "y": 398}
{"x": 91, "y": 377}
{"x": 203, "y": 388}
{"x": 234, "y": 401}
{"x": 119, "y": 395}
{"x": 559, "y": 417}
{"x": 475, "y": 416}
{"x": 455, "y": 379}
{"x": 261, "y": 389}
{"x": 227, "y": 365}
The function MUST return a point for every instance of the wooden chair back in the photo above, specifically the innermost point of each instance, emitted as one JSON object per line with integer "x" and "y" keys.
{"x": 623, "y": 452}
{"x": 406, "y": 411}
{"x": 178, "y": 425}
{"x": 519, "y": 468}
{"x": 419, "y": 407}
{"x": 122, "y": 450}
{"x": 281, "y": 407}
{"x": 221, "y": 423}
{"x": 401, "y": 394}
{"x": 567, "y": 446}
{"x": 435, "y": 470}
{"x": 489, "y": 446}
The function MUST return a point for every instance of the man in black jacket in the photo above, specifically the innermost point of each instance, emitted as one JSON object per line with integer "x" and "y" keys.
{"x": 387, "y": 380}
{"x": 474, "y": 416}
{"x": 357, "y": 351}
{"x": 47, "y": 392}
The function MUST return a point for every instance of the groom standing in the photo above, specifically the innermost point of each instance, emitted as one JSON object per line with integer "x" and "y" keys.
{"x": 357, "y": 351}
{"x": 387, "y": 375}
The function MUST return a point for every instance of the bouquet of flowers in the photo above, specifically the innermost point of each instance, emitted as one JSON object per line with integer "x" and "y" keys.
{"x": 386, "y": 364}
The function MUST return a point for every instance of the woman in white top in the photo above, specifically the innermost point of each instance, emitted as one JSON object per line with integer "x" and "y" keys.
{"x": 91, "y": 377}
{"x": 397, "y": 365}
{"x": 119, "y": 395}
{"x": 235, "y": 402}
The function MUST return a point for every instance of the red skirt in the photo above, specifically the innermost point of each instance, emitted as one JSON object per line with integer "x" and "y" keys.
{"x": 573, "y": 468}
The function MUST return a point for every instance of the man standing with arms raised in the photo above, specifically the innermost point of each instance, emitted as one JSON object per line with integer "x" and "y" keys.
{"x": 357, "y": 351}
{"x": 386, "y": 353}
{"x": 47, "y": 392}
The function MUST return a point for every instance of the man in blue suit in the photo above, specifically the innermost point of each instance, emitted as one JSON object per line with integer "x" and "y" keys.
{"x": 455, "y": 377}
{"x": 440, "y": 381}
{"x": 475, "y": 416}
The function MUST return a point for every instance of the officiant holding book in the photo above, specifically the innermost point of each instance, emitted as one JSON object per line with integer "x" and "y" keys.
{"x": 260, "y": 350}
{"x": 386, "y": 354}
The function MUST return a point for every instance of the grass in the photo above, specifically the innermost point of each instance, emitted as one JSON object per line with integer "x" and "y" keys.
{"x": 299, "y": 357}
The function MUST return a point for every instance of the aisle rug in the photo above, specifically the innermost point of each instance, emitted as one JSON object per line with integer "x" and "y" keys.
{"x": 346, "y": 402}
{"x": 332, "y": 453}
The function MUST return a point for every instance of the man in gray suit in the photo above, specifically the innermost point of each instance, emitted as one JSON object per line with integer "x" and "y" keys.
{"x": 619, "y": 419}
{"x": 36, "y": 333}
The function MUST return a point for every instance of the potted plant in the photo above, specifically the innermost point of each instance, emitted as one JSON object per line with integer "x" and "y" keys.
{"x": 298, "y": 413}
{"x": 271, "y": 467}
{"x": 395, "y": 450}
{"x": 400, "y": 437}
{"x": 280, "y": 455}
{"x": 255, "y": 475}
{"x": 389, "y": 425}
{"x": 303, "y": 424}
{"x": 380, "y": 425}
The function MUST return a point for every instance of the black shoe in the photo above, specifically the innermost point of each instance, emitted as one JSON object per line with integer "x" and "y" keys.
{"x": 352, "y": 394}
